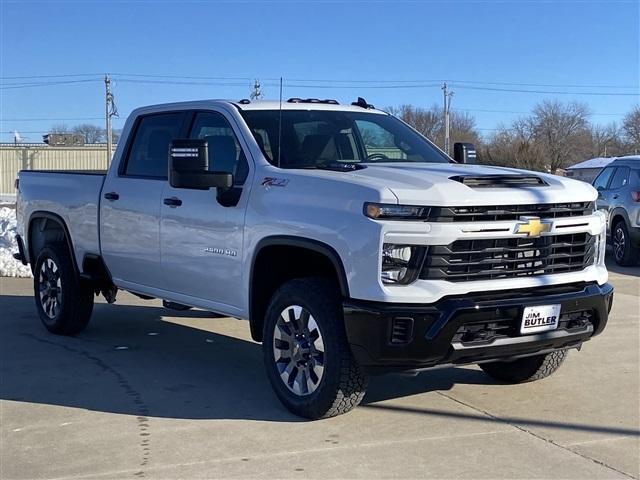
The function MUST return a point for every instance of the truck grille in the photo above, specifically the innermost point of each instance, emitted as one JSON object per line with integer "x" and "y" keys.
{"x": 509, "y": 212}
{"x": 467, "y": 260}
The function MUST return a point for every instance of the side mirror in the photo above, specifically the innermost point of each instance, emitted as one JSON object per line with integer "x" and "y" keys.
{"x": 464, "y": 152}
{"x": 189, "y": 166}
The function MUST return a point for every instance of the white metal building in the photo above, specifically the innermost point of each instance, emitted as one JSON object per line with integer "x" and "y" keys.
{"x": 39, "y": 156}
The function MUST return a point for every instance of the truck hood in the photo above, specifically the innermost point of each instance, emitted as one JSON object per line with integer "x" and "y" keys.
{"x": 432, "y": 184}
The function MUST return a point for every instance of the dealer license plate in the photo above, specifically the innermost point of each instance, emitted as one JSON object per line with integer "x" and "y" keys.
{"x": 540, "y": 318}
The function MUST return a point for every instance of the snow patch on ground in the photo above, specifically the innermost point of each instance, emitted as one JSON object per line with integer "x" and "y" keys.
{"x": 9, "y": 266}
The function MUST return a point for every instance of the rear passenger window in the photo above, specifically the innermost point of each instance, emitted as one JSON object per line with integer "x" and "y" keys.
{"x": 620, "y": 178}
{"x": 601, "y": 181}
{"x": 149, "y": 153}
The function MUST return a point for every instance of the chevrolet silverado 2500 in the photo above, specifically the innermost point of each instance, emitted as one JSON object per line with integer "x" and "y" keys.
{"x": 350, "y": 242}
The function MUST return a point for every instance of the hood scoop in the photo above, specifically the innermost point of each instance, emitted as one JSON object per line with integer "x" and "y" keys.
{"x": 499, "y": 181}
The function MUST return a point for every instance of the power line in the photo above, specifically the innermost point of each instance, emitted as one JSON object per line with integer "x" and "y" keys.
{"x": 547, "y": 92}
{"x": 473, "y": 82}
{"x": 52, "y": 76}
{"x": 186, "y": 77}
{"x": 335, "y": 81}
{"x": 44, "y": 84}
{"x": 52, "y": 119}
{"x": 178, "y": 82}
{"x": 523, "y": 112}
{"x": 385, "y": 86}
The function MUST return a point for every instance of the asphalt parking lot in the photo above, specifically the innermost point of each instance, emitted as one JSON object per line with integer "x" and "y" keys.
{"x": 146, "y": 392}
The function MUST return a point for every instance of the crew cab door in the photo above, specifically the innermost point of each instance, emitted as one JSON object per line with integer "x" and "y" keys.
{"x": 618, "y": 186}
{"x": 130, "y": 207}
{"x": 202, "y": 230}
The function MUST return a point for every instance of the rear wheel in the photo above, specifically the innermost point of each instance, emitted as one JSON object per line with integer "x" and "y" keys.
{"x": 526, "y": 369}
{"x": 306, "y": 354}
{"x": 624, "y": 252}
{"x": 63, "y": 301}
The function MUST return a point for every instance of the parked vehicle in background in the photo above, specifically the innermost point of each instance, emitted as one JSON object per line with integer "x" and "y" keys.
{"x": 618, "y": 188}
{"x": 351, "y": 243}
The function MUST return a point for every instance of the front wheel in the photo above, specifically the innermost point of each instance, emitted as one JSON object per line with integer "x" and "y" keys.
{"x": 526, "y": 369}
{"x": 306, "y": 353}
{"x": 63, "y": 301}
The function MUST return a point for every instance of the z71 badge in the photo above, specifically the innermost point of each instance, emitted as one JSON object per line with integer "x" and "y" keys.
{"x": 275, "y": 182}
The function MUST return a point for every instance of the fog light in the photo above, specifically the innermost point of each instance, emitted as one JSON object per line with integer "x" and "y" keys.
{"x": 401, "y": 264}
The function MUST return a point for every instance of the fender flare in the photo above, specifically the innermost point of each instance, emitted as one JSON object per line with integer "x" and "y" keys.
{"x": 53, "y": 217}
{"x": 298, "y": 242}
{"x": 310, "y": 244}
{"x": 619, "y": 212}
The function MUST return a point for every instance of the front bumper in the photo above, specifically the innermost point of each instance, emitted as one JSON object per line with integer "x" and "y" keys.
{"x": 471, "y": 328}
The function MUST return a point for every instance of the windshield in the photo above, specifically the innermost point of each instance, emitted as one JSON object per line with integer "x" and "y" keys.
{"x": 316, "y": 138}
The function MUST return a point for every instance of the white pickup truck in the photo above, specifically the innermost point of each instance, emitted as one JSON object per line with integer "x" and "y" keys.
{"x": 350, "y": 242}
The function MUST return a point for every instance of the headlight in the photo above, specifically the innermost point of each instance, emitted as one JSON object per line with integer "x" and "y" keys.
{"x": 401, "y": 264}
{"x": 387, "y": 211}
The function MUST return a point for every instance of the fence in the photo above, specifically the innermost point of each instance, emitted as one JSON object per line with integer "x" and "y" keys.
{"x": 38, "y": 156}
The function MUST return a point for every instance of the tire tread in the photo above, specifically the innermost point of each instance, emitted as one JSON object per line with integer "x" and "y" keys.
{"x": 78, "y": 295}
{"x": 350, "y": 382}
{"x": 528, "y": 369}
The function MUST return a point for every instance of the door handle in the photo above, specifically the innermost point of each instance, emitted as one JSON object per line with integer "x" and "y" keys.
{"x": 111, "y": 196}
{"x": 615, "y": 196}
{"x": 172, "y": 202}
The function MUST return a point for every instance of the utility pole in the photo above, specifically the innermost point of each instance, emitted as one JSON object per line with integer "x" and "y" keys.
{"x": 108, "y": 112}
{"x": 256, "y": 94}
{"x": 447, "y": 106}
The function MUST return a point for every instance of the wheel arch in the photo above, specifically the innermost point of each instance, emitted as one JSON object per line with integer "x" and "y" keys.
{"x": 59, "y": 228}
{"x": 324, "y": 260}
{"x": 618, "y": 214}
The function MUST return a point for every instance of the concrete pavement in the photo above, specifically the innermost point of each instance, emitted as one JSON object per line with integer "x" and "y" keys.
{"x": 150, "y": 393}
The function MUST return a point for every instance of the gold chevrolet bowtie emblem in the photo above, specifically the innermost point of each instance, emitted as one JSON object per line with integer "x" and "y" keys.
{"x": 533, "y": 226}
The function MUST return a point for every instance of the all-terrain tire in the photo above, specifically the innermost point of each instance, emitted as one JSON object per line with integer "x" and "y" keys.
{"x": 624, "y": 253}
{"x": 343, "y": 383}
{"x": 71, "y": 311}
{"x": 526, "y": 369}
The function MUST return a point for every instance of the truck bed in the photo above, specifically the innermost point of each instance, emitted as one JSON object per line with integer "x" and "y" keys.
{"x": 72, "y": 195}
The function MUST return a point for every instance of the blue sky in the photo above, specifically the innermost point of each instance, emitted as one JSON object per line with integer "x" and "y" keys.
{"x": 580, "y": 46}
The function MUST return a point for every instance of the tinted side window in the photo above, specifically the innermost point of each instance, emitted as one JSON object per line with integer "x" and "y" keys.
{"x": 379, "y": 141}
{"x": 620, "y": 178}
{"x": 225, "y": 153}
{"x": 601, "y": 181}
{"x": 149, "y": 152}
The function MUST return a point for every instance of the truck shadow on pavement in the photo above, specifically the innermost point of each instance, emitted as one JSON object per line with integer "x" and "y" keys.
{"x": 130, "y": 361}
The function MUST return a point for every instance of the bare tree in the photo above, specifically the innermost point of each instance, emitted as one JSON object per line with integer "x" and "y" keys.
{"x": 605, "y": 141}
{"x": 427, "y": 121}
{"x": 513, "y": 146}
{"x": 463, "y": 129}
{"x": 59, "y": 128}
{"x": 91, "y": 133}
{"x": 557, "y": 129}
{"x": 631, "y": 129}
{"x": 430, "y": 123}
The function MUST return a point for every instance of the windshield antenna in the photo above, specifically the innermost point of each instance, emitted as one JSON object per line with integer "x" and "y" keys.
{"x": 280, "y": 125}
